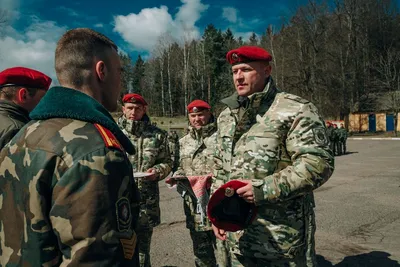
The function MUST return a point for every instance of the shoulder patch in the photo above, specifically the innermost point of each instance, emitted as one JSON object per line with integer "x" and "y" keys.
{"x": 296, "y": 98}
{"x": 108, "y": 137}
{"x": 124, "y": 214}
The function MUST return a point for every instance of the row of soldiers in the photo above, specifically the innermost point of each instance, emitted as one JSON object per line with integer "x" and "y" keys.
{"x": 337, "y": 137}
{"x": 79, "y": 188}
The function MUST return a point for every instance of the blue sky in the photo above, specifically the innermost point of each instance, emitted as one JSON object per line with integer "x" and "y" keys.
{"x": 34, "y": 26}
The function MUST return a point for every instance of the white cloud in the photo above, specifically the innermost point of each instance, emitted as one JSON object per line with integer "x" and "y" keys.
{"x": 33, "y": 49}
{"x": 230, "y": 14}
{"x": 143, "y": 30}
{"x": 99, "y": 25}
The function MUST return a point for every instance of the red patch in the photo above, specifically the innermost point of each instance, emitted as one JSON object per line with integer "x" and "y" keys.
{"x": 108, "y": 137}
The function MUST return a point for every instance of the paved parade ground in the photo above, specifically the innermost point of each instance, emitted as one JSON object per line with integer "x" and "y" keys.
{"x": 358, "y": 212}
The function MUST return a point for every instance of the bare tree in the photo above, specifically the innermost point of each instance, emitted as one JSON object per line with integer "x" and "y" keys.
{"x": 388, "y": 67}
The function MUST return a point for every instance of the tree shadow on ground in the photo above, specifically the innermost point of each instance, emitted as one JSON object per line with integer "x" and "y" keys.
{"x": 347, "y": 153}
{"x": 371, "y": 259}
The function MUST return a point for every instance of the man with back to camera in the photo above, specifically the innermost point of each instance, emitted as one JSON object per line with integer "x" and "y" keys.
{"x": 276, "y": 144}
{"x": 20, "y": 91}
{"x": 152, "y": 156}
{"x": 68, "y": 195}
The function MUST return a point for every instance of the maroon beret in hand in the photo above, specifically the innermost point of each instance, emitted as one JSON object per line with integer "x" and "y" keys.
{"x": 24, "y": 77}
{"x": 245, "y": 54}
{"x": 228, "y": 211}
{"x": 197, "y": 105}
{"x": 134, "y": 98}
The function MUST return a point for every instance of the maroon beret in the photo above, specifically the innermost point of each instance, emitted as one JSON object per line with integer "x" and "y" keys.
{"x": 197, "y": 105}
{"x": 228, "y": 211}
{"x": 245, "y": 54}
{"x": 134, "y": 98}
{"x": 24, "y": 77}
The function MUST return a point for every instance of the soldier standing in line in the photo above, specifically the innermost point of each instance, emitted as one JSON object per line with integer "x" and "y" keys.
{"x": 330, "y": 135}
{"x": 343, "y": 138}
{"x": 275, "y": 143}
{"x": 20, "y": 91}
{"x": 196, "y": 161}
{"x": 66, "y": 187}
{"x": 152, "y": 156}
{"x": 336, "y": 137}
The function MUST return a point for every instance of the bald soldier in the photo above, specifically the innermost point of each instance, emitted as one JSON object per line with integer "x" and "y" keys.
{"x": 196, "y": 151}
{"x": 275, "y": 143}
{"x": 20, "y": 91}
{"x": 152, "y": 157}
{"x": 67, "y": 193}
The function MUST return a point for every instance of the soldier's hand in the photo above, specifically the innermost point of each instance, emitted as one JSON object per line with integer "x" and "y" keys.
{"x": 246, "y": 192}
{"x": 154, "y": 175}
{"x": 219, "y": 233}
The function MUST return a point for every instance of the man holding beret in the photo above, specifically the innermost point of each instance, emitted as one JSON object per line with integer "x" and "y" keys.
{"x": 68, "y": 197}
{"x": 20, "y": 91}
{"x": 152, "y": 156}
{"x": 276, "y": 144}
{"x": 196, "y": 151}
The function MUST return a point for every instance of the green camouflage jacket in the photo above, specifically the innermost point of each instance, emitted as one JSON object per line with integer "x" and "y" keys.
{"x": 173, "y": 140}
{"x": 12, "y": 119}
{"x": 196, "y": 151}
{"x": 67, "y": 195}
{"x": 152, "y": 151}
{"x": 342, "y": 134}
{"x": 280, "y": 144}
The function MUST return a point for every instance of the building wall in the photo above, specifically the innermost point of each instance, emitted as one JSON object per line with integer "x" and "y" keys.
{"x": 380, "y": 119}
{"x": 358, "y": 122}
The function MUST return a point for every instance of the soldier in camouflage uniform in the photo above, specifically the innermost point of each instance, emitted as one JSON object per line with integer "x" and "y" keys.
{"x": 276, "y": 143}
{"x": 335, "y": 140}
{"x": 196, "y": 159}
{"x": 343, "y": 138}
{"x": 331, "y": 137}
{"x": 67, "y": 193}
{"x": 152, "y": 156}
{"x": 20, "y": 91}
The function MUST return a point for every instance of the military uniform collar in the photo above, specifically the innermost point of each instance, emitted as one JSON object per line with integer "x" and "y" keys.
{"x": 204, "y": 131}
{"x": 134, "y": 127}
{"x": 62, "y": 102}
{"x": 254, "y": 99}
{"x": 11, "y": 107}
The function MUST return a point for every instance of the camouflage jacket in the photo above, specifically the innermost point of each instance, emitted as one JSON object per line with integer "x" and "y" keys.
{"x": 12, "y": 119}
{"x": 66, "y": 188}
{"x": 173, "y": 141}
{"x": 280, "y": 144}
{"x": 152, "y": 151}
{"x": 342, "y": 132}
{"x": 196, "y": 151}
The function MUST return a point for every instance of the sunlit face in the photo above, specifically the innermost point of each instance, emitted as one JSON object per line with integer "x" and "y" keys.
{"x": 250, "y": 77}
{"x": 200, "y": 118}
{"x": 133, "y": 111}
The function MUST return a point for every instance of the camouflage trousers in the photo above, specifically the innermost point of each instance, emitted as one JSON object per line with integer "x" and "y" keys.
{"x": 237, "y": 260}
{"x": 144, "y": 242}
{"x": 208, "y": 251}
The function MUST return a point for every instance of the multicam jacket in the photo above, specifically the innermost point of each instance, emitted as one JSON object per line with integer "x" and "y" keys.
{"x": 66, "y": 188}
{"x": 152, "y": 151}
{"x": 196, "y": 151}
{"x": 280, "y": 144}
{"x": 12, "y": 119}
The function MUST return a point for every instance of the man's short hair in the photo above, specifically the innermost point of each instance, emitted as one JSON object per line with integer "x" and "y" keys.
{"x": 9, "y": 92}
{"x": 75, "y": 52}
